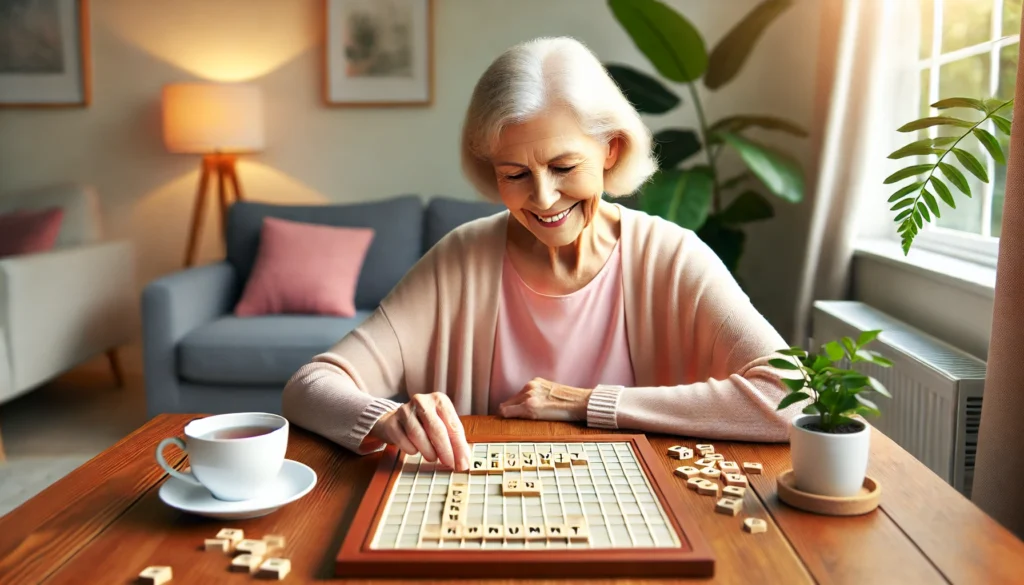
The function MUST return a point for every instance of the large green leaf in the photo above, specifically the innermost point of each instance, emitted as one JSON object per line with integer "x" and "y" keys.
{"x": 934, "y": 121}
{"x": 647, "y": 94}
{"x": 782, "y": 364}
{"x": 919, "y": 148}
{"x": 672, "y": 147}
{"x": 779, "y": 172}
{"x": 879, "y": 387}
{"x": 669, "y": 41}
{"x": 682, "y": 196}
{"x": 750, "y": 206}
{"x": 905, "y": 190}
{"x": 792, "y": 398}
{"x": 726, "y": 241}
{"x": 737, "y": 124}
{"x": 1002, "y": 124}
{"x": 956, "y": 177}
{"x": 729, "y": 55}
{"x": 929, "y": 200}
{"x": 991, "y": 144}
{"x": 971, "y": 163}
{"x": 910, "y": 171}
{"x": 794, "y": 384}
{"x": 993, "y": 105}
{"x": 943, "y": 191}
{"x": 959, "y": 102}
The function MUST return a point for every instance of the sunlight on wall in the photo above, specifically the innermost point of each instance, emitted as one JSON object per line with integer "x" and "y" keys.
{"x": 263, "y": 183}
{"x": 162, "y": 218}
{"x": 215, "y": 40}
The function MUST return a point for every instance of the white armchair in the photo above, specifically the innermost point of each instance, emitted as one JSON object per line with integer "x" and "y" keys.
{"x": 65, "y": 306}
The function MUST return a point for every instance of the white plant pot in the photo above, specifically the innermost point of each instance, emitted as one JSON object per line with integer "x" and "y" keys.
{"x": 828, "y": 464}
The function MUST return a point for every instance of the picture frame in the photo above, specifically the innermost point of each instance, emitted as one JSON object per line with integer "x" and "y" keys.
{"x": 45, "y": 54}
{"x": 378, "y": 53}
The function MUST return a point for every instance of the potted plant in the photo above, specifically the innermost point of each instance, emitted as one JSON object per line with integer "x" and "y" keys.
{"x": 693, "y": 187}
{"x": 829, "y": 442}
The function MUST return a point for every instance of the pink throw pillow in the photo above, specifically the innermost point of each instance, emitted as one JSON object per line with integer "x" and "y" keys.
{"x": 29, "y": 231}
{"x": 304, "y": 268}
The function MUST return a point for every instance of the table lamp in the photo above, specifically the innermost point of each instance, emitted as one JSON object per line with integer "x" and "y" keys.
{"x": 218, "y": 121}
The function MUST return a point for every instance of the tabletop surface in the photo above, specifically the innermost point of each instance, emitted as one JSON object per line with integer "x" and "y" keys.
{"x": 104, "y": 522}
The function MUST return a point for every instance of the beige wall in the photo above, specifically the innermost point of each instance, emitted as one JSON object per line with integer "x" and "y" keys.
{"x": 315, "y": 153}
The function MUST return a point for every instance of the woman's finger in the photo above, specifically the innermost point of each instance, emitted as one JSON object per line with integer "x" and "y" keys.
{"x": 519, "y": 397}
{"x": 456, "y": 433}
{"x": 396, "y": 436}
{"x": 414, "y": 430}
{"x": 515, "y": 411}
{"x": 437, "y": 433}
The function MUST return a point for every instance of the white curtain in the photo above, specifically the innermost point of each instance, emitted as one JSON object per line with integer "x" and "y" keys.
{"x": 865, "y": 89}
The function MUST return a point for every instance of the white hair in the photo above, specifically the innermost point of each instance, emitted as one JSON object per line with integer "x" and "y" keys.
{"x": 535, "y": 75}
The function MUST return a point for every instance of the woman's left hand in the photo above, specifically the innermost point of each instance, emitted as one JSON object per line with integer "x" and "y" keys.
{"x": 543, "y": 399}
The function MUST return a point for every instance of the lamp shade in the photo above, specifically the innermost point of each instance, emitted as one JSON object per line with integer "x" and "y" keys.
{"x": 212, "y": 117}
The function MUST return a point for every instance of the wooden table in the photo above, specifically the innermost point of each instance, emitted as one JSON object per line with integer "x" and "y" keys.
{"x": 104, "y": 523}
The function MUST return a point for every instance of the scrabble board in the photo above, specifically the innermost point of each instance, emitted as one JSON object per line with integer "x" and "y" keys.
{"x": 588, "y": 505}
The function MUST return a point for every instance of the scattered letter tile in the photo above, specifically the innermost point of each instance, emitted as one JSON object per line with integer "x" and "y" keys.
{"x": 221, "y": 545}
{"x": 687, "y": 471}
{"x": 728, "y": 506}
{"x": 246, "y": 563}
{"x": 736, "y": 479}
{"x": 155, "y": 575}
{"x": 755, "y": 525}
{"x": 734, "y": 491}
{"x": 275, "y": 568}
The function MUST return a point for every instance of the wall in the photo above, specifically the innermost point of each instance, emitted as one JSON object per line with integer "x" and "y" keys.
{"x": 955, "y": 311}
{"x": 315, "y": 153}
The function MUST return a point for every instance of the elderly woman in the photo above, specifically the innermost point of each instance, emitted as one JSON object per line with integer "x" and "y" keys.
{"x": 565, "y": 307}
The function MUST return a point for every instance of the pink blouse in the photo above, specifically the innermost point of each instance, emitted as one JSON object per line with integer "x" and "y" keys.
{"x": 578, "y": 339}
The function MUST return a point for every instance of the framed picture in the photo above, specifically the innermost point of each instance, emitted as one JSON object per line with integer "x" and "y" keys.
{"x": 378, "y": 53}
{"x": 44, "y": 53}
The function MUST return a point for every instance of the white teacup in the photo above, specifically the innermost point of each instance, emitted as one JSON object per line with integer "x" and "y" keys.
{"x": 234, "y": 456}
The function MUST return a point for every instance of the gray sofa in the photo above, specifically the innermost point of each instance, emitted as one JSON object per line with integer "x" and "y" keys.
{"x": 199, "y": 357}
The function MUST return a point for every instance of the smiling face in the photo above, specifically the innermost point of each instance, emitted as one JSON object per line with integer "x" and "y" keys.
{"x": 551, "y": 175}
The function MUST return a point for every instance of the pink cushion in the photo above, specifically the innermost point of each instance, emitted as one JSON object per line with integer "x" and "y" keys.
{"x": 303, "y": 268}
{"x": 29, "y": 231}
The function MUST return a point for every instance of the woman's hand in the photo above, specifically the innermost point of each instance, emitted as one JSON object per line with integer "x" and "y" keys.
{"x": 543, "y": 399}
{"x": 429, "y": 425}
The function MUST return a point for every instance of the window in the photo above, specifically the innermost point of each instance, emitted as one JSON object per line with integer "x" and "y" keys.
{"x": 969, "y": 48}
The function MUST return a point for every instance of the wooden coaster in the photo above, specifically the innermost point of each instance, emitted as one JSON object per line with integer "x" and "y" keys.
{"x": 867, "y": 500}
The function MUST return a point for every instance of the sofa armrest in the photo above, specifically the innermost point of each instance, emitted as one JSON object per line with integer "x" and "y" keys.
{"x": 61, "y": 307}
{"x": 172, "y": 307}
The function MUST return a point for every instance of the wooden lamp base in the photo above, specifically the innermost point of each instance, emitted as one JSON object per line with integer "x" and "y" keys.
{"x": 223, "y": 165}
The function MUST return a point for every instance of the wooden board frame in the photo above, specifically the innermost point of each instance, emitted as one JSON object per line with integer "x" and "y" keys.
{"x": 356, "y": 559}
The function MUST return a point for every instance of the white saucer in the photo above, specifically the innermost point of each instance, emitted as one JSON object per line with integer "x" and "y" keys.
{"x": 294, "y": 481}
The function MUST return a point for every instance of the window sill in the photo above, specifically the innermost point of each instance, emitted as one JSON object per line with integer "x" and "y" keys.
{"x": 969, "y": 276}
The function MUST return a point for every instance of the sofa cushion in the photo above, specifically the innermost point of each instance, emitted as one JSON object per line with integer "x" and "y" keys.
{"x": 258, "y": 350}
{"x": 29, "y": 231}
{"x": 444, "y": 214}
{"x": 305, "y": 269}
{"x": 397, "y": 225}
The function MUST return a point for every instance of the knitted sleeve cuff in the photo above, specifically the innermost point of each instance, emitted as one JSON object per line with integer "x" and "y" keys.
{"x": 601, "y": 409}
{"x": 369, "y": 417}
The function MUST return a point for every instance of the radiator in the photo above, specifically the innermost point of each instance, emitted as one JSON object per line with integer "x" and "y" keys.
{"x": 936, "y": 388}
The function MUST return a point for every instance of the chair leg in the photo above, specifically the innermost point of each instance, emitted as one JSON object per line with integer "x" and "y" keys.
{"x": 3, "y": 457}
{"x": 115, "y": 367}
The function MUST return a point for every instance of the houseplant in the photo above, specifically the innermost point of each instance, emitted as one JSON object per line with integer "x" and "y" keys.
{"x": 700, "y": 197}
{"x": 914, "y": 203}
{"x": 829, "y": 447}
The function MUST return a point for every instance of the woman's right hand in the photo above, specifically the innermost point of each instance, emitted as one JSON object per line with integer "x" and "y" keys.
{"x": 429, "y": 425}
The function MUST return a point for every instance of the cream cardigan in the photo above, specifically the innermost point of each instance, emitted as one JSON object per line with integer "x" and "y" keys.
{"x": 699, "y": 348}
